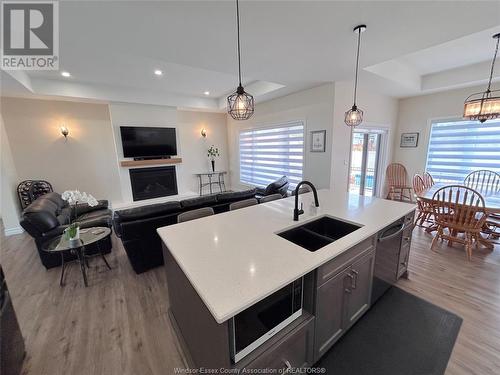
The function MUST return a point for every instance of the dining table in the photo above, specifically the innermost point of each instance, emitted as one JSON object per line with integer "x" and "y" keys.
{"x": 491, "y": 203}
{"x": 491, "y": 198}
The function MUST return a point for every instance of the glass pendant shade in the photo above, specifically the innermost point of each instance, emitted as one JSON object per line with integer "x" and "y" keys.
{"x": 484, "y": 106}
{"x": 240, "y": 105}
{"x": 354, "y": 116}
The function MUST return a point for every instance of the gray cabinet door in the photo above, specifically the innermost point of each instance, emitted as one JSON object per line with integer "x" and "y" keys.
{"x": 359, "y": 295}
{"x": 330, "y": 307}
{"x": 293, "y": 352}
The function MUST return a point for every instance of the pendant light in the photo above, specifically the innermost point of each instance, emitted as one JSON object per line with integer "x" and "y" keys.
{"x": 354, "y": 116}
{"x": 240, "y": 104}
{"x": 484, "y": 106}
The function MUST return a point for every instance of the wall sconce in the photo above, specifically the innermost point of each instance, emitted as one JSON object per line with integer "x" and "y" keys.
{"x": 204, "y": 133}
{"x": 64, "y": 132}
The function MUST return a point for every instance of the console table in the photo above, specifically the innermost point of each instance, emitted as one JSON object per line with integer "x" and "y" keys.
{"x": 214, "y": 178}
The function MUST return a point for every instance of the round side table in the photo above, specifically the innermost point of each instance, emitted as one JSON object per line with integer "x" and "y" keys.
{"x": 61, "y": 245}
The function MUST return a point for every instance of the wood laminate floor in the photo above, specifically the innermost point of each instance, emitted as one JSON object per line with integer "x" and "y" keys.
{"x": 119, "y": 324}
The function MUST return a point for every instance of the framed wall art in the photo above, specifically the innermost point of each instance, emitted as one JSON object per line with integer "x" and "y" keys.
{"x": 409, "y": 140}
{"x": 318, "y": 141}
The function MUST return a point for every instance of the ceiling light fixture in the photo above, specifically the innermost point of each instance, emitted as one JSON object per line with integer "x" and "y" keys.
{"x": 207, "y": 93}
{"x": 65, "y": 74}
{"x": 158, "y": 72}
{"x": 354, "y": 116}
{"x": 484, "y": 106}
{"x": 240, "y": 105}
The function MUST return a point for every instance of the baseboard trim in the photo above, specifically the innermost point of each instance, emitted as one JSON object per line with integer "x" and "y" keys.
{"x": 13, "y": 231}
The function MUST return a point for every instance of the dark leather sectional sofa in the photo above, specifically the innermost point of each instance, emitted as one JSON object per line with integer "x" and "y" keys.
{"x": 279, "y": 186}
{"x": 49, "y": 215}
{"x": 136, "y": 227}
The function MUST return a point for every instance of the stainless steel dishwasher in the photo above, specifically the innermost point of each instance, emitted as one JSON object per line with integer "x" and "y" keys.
{"x": 391, "y": 256}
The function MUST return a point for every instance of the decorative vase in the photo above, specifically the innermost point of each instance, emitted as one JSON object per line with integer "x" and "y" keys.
{"x": 213, "y": 165}
{"x": 75, "y": 240}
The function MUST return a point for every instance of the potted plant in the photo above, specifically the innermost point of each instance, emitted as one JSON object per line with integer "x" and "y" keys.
{"x": 73, "y": 197}
{"x": 213, "y": 152}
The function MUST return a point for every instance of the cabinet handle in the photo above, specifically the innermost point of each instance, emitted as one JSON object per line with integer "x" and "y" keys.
{"x": 353, "y": 282}
{"x": 388, "y": 237}
{"x": 288, "y": 366}
{"x": 347, "y": 290}
{"x": 356, "y": 273}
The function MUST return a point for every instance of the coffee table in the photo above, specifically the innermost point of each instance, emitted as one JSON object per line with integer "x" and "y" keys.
{"x": 61, "y": 245}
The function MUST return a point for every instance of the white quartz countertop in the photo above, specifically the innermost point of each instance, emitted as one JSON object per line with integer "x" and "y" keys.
{"x": 235, "y": 259}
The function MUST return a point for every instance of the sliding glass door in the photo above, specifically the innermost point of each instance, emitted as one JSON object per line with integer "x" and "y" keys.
{"x": 365, "y": 154}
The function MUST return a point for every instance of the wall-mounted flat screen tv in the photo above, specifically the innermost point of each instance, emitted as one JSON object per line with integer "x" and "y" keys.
{"x": 148, "y": 142}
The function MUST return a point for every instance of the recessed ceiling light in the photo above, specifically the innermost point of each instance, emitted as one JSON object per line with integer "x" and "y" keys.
{"x": 158, "y": 72}
{"x": 65, "y": 74}
{"x": 207, "y": 92}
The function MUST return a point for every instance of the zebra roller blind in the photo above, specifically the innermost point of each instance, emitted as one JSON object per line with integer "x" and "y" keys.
{"x": 460, "y": 147}
{"x": 266, "y": 154}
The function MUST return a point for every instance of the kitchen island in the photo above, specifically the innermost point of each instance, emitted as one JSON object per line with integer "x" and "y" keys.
{"x": 220, "y": 266}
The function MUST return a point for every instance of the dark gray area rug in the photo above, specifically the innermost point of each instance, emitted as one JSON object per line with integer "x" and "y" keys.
{"x": 400, "y": 335}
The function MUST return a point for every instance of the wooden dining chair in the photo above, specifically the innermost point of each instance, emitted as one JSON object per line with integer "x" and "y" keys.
{"x": 484, "y": 181}
{"x": 418, "y": 184}
{"x": 428, "y": 180}
{"x": 491, "y": 229}
{"x": 424, "y": 208}
{"x": 458, "y": 209}
{"x": 396, "y": 178}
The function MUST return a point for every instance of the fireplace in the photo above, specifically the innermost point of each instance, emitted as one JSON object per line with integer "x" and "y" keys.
{"x": 150, "y": 183}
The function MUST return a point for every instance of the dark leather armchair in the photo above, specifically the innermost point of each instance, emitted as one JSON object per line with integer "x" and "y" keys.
{"x": 49, "y": 215}
{"x": 279, "y": 186}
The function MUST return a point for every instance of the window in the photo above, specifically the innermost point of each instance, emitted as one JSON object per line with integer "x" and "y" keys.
{"x": 460, "y": 147}
{"x": 266, "y": 154}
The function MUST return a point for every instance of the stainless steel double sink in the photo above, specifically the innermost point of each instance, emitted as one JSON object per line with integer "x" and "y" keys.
{"x": 318, "y": 233}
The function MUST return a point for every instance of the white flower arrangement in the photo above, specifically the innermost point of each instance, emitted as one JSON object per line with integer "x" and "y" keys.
{"x": 73, "y": 197}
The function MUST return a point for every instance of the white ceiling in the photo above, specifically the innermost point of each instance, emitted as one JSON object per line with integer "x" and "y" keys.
{"x": 111, "y": 48}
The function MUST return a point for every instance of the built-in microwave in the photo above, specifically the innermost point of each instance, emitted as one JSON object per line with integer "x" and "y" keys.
{"x": 252, "y": 327}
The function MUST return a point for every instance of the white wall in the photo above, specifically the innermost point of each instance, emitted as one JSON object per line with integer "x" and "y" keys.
{"x": 85, "y": 161}
{"x": 191, "y": 146}
{"x": 314, "y": 107}
{"x": 321, "y": 108}
{"x": 380, "y": 111}
{"x": 194, "y": 157}
{"x": 416, "y": 114}
{"x": 8, "y": 184}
